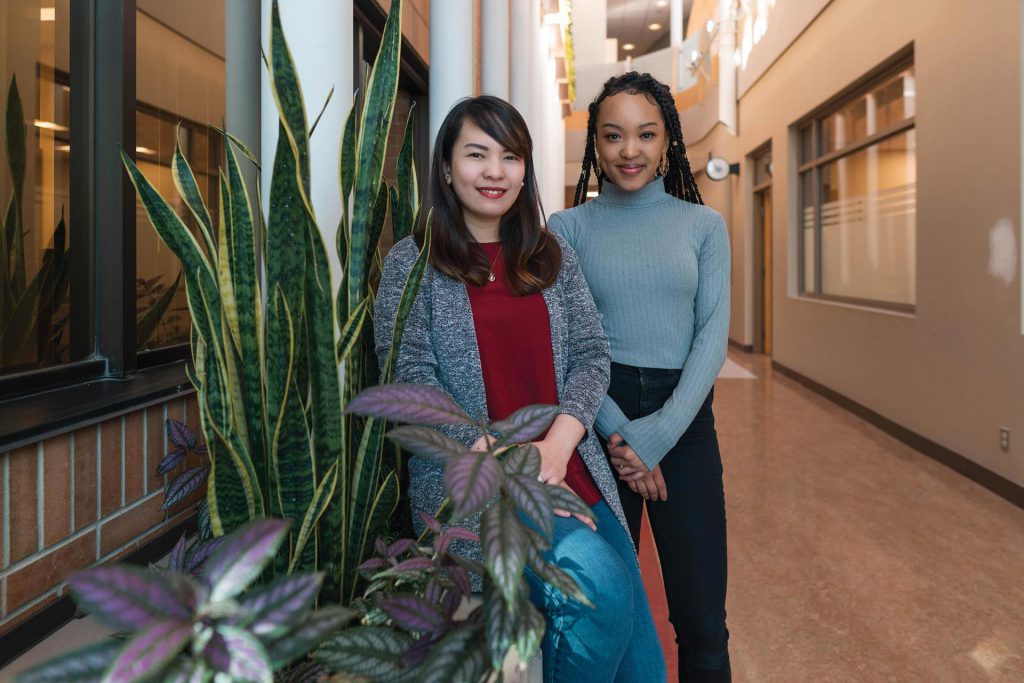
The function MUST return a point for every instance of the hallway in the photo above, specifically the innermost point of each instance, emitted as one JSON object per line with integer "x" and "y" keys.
{"x": 853, "y": 557}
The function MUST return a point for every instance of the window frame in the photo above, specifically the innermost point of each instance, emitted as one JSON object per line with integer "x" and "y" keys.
{"x": 813, "y": 121}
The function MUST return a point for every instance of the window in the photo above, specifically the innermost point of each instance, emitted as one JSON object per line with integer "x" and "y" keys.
{"x": 38, "y": 281}
{"x": 857, "y": 195}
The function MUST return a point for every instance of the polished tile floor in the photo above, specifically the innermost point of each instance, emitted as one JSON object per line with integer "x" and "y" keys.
{"x": 851, "y": 556}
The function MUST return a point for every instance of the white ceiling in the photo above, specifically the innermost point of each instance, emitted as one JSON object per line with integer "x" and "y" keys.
{"x": 628, "y": 21}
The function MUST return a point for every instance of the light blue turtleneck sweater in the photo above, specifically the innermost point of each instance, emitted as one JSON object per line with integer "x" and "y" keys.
{"x": 658, "y": 268}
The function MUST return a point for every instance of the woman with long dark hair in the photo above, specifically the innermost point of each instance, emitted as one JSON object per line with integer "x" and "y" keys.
{"x": 503, "y": 319}
{"x": 657, "y": 262}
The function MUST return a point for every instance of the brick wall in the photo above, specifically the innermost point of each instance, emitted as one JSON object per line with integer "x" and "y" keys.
{"x": 86, "y": 497}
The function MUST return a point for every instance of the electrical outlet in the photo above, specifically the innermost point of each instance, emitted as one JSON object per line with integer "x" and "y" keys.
{"x": 1004, "y": 438}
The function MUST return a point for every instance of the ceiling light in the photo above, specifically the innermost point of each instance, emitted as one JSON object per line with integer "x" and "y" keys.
{"x": 655, "y": 27}
{"x": 145, "y": 150}
{"x": 64, "y": 148}
{"x": 661, "y": 3}
{"x": 628, "y": 46}
{"x": 711, "y": 25}
{"x": 47, "y": 14}
{"x": 50, "y": 125}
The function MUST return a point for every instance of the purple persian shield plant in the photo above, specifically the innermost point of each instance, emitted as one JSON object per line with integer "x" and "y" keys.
{"x": 180, "y": 627}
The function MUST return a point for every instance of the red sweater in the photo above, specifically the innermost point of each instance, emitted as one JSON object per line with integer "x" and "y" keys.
{"x": 514, "y": 336}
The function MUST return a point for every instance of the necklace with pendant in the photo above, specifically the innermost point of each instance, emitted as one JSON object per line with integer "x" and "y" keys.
{"x": 493, "y": 264}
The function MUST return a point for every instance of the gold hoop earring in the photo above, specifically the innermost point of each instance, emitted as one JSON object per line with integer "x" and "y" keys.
{"x": 663, "y": 164}
{"x": 597, "y": 162}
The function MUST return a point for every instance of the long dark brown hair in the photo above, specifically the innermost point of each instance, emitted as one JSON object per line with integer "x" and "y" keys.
{"x": 531, "y": 256}
{"x": 679, "y": 180}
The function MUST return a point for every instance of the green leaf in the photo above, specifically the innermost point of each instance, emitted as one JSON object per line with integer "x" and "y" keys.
{"x": 505, "y": 546}
{"x": 531, "y": 628}
{"x": 150, "y": 651}
{"x": 185, "y": 182}
{"x": 459, "y": 656}
{"x": 371, "y": 651}
{"x": 327, "y": 101}
{"x": 314, "y": 512}
{"x": 500, "y": 624}
{"x": 309, "y": 633}
{"x": 405, "y": 208}
{"x": 240, "y": 144}
{"x": 350, "y": 332}
{"x": 531, "y": 497}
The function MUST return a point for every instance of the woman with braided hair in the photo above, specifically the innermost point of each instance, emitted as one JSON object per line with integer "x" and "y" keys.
{"x": 657, "y": 262}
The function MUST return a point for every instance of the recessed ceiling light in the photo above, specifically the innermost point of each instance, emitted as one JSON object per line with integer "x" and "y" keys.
{"x": 655, "y": 27}
{"x": 661, "y": 3}
{"x": 50, "y": 125}
{"x": 47, "y": 14}
{"x": 145, "y": 150}
{"x": 628, "y": 46}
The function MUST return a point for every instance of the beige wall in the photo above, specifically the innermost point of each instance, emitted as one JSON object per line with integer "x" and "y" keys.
{"x": 415, "y": 24}
{"x": 954, "y": 371}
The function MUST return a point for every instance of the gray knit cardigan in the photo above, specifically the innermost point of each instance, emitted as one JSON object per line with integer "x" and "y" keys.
{"x": 439, "y": 348}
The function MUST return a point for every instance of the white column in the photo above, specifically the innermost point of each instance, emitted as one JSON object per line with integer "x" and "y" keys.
{"x": 727, "y": 14}
{"x": 519, "y": 67}
{"x": 675, "y": 22}
{"x": 243, "y": 76}
{"x": 494, "y": 55}
{"x": 319, "y": 34}
{"x": 451, "y": 57}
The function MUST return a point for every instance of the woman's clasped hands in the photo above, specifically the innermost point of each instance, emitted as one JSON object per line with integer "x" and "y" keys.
{"x": 649, "y": 483}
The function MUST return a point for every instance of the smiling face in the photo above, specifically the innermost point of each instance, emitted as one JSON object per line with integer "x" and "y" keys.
{"x": 486, "y": 178}
{"x": 631, "y": 139}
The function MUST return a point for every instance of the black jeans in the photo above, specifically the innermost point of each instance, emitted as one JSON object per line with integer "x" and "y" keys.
{"x": 689, "y": 527}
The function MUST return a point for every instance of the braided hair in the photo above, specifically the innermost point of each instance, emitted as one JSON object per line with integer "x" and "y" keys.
{"x": 679, "y": 180}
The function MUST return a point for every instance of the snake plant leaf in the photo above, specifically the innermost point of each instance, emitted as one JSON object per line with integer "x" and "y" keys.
{"x": 85, "y": 665}
{"x": 350, "y": 332}
{"x": 286, "y": 233}
{"x": 126, "y": 597}
{"x": 287, "y": 93}
{"x": 532, "y": 499}
{"x": 327, "y": 101}
{"x": 363, "y": 497}
{"x": 404, "y": 209}
{"x": 364, "y": 651}
{"x": 472, "y": 480}
{"x": 240, "y": 144}
{"x": 375, "y": 225}
{"x": 6, "y": 291}
{"x": 413, "y": 403}
{"x": 303, "y": 558}
{"x": 17, "y": 160}
{"x": 385, "y": 502}
{"x": 504, "y": 542}
{"x": 347, "y": 165}
{"x": 310, "y": 632}
{"x": 150, "y": 651}
{"x": 19, "y": 329}
{"x": 371, "y": 148}
{"x": 526, "y": 424}
{"x": 427, "y": 443}
{"x": 459, "y": 656}
{"x": 151, "y": 318}
{"x": 187, "y": 187}
{"x": 241, "y": 557}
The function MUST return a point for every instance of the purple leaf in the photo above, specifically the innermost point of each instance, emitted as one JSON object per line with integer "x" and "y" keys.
{"x": 419, "y": 650}
{"x": 526, "y": 424}
{"x": 472, "y": 480}
{"x": 200, "y": 449}
{"x": 413, "y": 564}
{"x": 274, "y": 609}
{"x": 463, "y": 533}
{"x": 400, "y": 546}
{"x": 180, "y": 434}
{"x": 429, "y": 521}
{"x": 242, "y": 556}
{"x": 504, "y": 544}
{"x": 427, "y": 442}
{"x": 415, "y": 403}
{"x": 150, "y": 651}
{"x": 460, "y": 577}
{"x": 126, "y": 597}
{"x": 380, "y": 547}
{"x": 441, "y": 543}
{"x": 86, "y": 665}
{"x": 171, "y": 460}
{"x": 434, "y": 591}
{"x": 177, "y": 559}
{"x": 524, "y": 460}
{"x": 564, "y": 499}
{"x": 216, "y": 653}
{"x": 186, "y": 483}
{"x": 373, "y": 563}
{"x": 308, "y": 634}
{"x": 201, "y": 552}
{"x": 246, "y": 658}
{"x": 532, "y": 498}
{"x": 411, "y": 612}
{"x": 364, "y": 650}
{"x": 450, "y": 603}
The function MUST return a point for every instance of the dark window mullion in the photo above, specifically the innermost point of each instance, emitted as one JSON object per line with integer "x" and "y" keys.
{"x": 816, "y": 184}
{"x": 114, "y": 196}
{"x": 82, "y": 229}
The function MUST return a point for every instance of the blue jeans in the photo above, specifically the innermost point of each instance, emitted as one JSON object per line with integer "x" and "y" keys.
{"x": 614, "y": 641}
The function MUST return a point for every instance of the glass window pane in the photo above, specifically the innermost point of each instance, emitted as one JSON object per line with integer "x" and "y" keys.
{"x": 807, "y": 144}
{"x": 868, "y": 217}
{"x": 807, "y": 243}
{"x": 35, "y": 182}
{"x": 180, "y": 89}
{"x": 884, "y": 106}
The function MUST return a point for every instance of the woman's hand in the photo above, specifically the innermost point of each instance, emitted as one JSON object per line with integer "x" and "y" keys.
{"x": 624, "y": 460}
{"x": 554, "y": 460}
{"x": 483, "y": 443}
{"x": 565, "y": 513}
{"x": 651, "y": 486}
